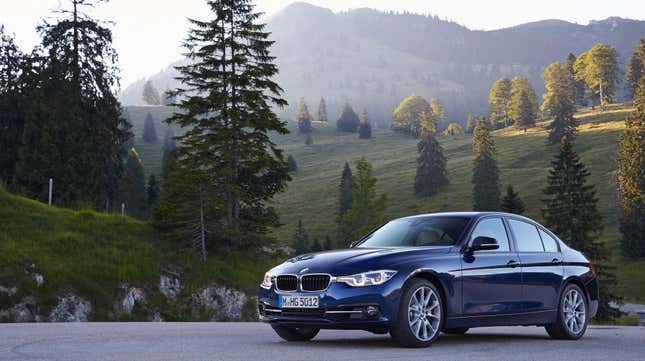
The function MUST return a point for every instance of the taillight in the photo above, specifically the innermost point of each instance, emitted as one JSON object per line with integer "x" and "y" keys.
{"x": 593, "y": 268}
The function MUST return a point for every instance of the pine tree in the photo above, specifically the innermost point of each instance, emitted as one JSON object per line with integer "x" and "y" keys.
{"x": 74, "y": 131}
{"x": 316, "y": 246}
{"x": 150, "y": 94}
{"x": 169, "y": 146}
{"x": 367, "y": 210}
{"x": 521, "y": 110}
{"x": 365, "y": 129}
{"x": 152, "y": 193}
{"x": 133, "y": 187}
{"x": 431, "y": 167}
{"x": 631, "y": 179}
{"x": 471, "y": 123}
{"x": 485, "y": 171}
{"x": 231, "y": 70}
{"x": 437, "y": 110}
{"x": 598, "y": 68}
{"x": 328, "y": 244}
{"x": 149, "y": 130}
{"x": 407, "y": 117}
{"x": 635, "y": 68}
{"x": 322, "y": 110}
{"x": 578, "y": 85}
{"x": 559, "y": 103}
{"x": 499, "y": 100}
{"x": 570, "y": 211}
{"x": 301, "y": 244}
{"x": 511, "y": 202}
{"x": 303, "y": 117}
{"x": 345, "y": 192}
{"x": 293, "y": 166}
{"x": 348, "y": 121}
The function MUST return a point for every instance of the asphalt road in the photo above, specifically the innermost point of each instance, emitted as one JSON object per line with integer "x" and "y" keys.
{"x": 252, "y": 341}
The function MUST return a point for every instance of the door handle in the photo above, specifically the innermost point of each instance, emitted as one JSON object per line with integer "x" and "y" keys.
{"x": 556, "y": 261}
{"x": 512, "y": 263}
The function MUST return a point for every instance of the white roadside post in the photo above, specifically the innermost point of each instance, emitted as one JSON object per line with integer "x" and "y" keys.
{"x": 51, "y": 189}
{"x": 122, "y": 209}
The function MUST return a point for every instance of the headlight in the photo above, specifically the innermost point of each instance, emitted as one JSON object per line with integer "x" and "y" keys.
{"x": 267, "y": 282}
{"x": 371, "y": 278}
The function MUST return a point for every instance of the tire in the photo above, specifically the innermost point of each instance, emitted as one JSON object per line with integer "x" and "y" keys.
{"x": 572, "y": 321}
{"x": 456, "y": 331}
{"x": 421, "y": 315}
{"x": 295, "y": 334}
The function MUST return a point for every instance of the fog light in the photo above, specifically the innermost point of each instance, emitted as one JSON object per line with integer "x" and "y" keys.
{"x": 372, "y": 311}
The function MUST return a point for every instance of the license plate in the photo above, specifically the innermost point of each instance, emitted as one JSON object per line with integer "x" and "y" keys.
{"x": 298, "y": 301}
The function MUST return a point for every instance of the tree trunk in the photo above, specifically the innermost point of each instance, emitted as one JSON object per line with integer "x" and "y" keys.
{"x": 602, "y": 98}
{"x": 202, "y": 225}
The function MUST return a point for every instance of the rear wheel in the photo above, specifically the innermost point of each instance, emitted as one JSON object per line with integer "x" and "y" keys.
{"x": 571, "y": 323}
{"x": 295, "y": 333}
{"x": 420, "y": 315}
{"x": 456, "y": 331}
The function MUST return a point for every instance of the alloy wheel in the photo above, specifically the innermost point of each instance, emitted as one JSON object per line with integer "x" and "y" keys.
{"x": 574, "y": 311}
{"x": 424, "y": 313}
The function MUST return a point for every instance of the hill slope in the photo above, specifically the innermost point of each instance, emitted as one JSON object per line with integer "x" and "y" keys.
{"x": 377, "y": 58}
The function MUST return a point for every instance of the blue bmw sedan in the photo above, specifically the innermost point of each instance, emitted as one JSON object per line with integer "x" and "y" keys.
{"x": 418, "y": 276}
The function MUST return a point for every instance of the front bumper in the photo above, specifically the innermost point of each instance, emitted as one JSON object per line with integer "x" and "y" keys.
{"x": 340, "y": 307}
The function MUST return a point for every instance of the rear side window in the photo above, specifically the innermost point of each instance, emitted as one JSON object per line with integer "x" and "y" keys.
{"x": 526, "y": 236}
{"x": 550, "y": 244}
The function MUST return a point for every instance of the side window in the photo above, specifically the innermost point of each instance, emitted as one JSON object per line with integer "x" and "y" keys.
{"x": 526, "y": 236}
{"x": 492, "y": 227}
{"x": 550, "y": 244}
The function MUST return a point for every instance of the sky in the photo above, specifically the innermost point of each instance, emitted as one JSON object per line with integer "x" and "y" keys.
{"x": 148, "y": 33}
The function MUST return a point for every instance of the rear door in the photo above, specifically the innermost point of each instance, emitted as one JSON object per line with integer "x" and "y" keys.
{"x": 542, "y": 269}
{"x": 491, "y": 280}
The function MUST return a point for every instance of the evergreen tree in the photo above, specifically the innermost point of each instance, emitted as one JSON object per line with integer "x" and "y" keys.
{"x": 631, "y": 179}
{"x": 522, "y": 111}
{"x": 453, "y": 130}
{"x": 152, "y": 193}
{"x": 471, "y": 123}
{"x": 407, "y": 117}
{"x": 12, "y": 96}
{"x": 149, "y": 130}
{"x": 73, "y": 131}
{"x": 437, "y": 110}
{"x": 309, "y": 140}
{"x": 431, "y": 167}
{"x": 635, "y": 68}
{"x": 303, "y": 117}
{"x": 328, "y": 244}
{"x": 499, "y": 100}
{"x": 367, "y": 210}
{"x": 293, "y": 166}
{"x": 230, "y": 69}
{"x": 559, "y": 103}
{"x": 133, "y": 187}
{"x": 316, "y": 246}
{"x": 578, "y": 85}
{"x": 150, "y": 94}
{"x": 365, "y": 128}
{"x": 485, "y": 171}
{"x": 301, "y": 244}
{"x": 345, "y": 192}
{"x": 169, "y": 146}
{"x": 570, "y": 211}
{"x": 322, "y": 110}
{"x": 348, "y": 121}
{"x": 511, "y": 202}
{"x": 598, "y": 68}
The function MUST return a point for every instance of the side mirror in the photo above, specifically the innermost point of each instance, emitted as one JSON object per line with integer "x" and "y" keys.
{"x": 353, "y": 244}
{"x": 482, "y": 243}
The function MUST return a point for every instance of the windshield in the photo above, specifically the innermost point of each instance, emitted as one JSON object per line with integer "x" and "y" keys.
{"x": 417, "y": 232}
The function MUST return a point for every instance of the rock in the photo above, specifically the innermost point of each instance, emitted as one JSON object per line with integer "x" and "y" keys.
{"x": 40, "y": 279}
{"x": 9, "y": 291}
{"x": 71, "y": 308}
{"x": 156, "y": 318}
{"x": 23, "y": 311}
{"x": 133, "y": 296}
{"x": 225, "y": 303}
{"x": 169, "y": 284}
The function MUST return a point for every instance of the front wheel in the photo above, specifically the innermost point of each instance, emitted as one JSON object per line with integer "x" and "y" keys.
{"x": 295, "y": 334}
{"x": 420, "y": 315}
{"x": 571, "y": 323}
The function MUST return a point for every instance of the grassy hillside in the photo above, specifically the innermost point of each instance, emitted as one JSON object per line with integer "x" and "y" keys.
{"x": 523, "y": 159}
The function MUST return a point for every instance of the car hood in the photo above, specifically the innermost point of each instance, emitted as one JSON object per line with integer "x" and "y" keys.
{"x": 355, "y": 260}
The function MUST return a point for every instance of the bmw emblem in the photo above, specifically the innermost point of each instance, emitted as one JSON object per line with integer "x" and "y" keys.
{"x": 303, "y": 270}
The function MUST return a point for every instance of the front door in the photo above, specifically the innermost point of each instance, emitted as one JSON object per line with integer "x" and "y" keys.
{"x": 491, "y": 280}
